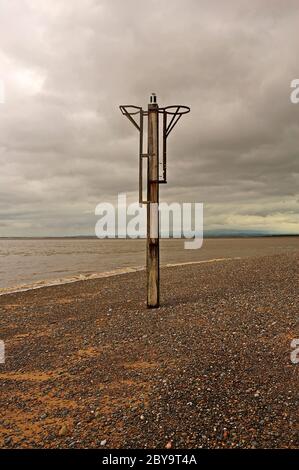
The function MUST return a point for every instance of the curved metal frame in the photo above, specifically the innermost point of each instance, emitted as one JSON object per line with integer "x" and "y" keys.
{"x": 128, "y": 114}
{"x": 176, "y": 112}
{"x": 168, "y": 127}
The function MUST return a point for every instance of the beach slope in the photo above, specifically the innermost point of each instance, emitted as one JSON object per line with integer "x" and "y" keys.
{"x": 87, "y": 365}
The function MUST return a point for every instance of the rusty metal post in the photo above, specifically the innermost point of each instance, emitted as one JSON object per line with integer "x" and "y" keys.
{"x": 152, "y": 251}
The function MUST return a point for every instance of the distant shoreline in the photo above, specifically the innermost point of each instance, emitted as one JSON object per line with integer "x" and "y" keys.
{"x": 86, "y": 237}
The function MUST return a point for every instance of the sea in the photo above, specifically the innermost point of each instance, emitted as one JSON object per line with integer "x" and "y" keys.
{"x": 33, "y": 263}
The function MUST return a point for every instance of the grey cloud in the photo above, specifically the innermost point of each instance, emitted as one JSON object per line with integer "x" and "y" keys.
{"x": 67, "y": 66}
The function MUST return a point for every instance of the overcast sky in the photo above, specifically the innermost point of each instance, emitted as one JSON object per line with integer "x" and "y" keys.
{"x": 65, "y": 147}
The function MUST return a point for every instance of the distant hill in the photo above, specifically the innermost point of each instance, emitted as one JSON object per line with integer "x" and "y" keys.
{"x": 207, "y": 234}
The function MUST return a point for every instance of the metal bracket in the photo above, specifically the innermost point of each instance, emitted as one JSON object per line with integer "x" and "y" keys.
{"x": 176, "y": 112}
{"x": 141, "y": 157}
{"x": 125, "y": 110}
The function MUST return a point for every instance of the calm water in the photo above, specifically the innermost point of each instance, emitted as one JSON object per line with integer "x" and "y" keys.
{"x": 28, "y": 261}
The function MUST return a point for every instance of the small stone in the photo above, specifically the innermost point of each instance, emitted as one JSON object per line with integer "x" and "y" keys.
{"x": 8, "y": 440}
{"x": 63, "y": 430}
{"x": 103, "y": 442}
{"x": 168, "y": 445}
{"x": 142, "y": 417}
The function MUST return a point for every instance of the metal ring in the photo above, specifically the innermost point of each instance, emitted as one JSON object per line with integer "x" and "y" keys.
{"x": 179, "y": 109}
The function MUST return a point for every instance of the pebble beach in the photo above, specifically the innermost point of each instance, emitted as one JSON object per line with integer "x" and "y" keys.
{"x": 88, "y": 365}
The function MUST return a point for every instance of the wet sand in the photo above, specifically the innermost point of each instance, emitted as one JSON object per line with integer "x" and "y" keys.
{"x": 87, "y": 365}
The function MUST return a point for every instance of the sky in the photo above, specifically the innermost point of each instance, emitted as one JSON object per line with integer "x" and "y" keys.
{"x": 66, "y": 66}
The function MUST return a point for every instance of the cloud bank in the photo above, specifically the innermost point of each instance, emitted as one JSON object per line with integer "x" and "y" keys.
{"x": 65, "y": 147}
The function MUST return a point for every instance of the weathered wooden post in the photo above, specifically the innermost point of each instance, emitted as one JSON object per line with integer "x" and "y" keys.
{"x": 153, "y": 180}
{"x": 152, "y": 258}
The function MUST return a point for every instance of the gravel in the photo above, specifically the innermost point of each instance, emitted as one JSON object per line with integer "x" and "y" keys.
{"x": 210, "y": 368}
